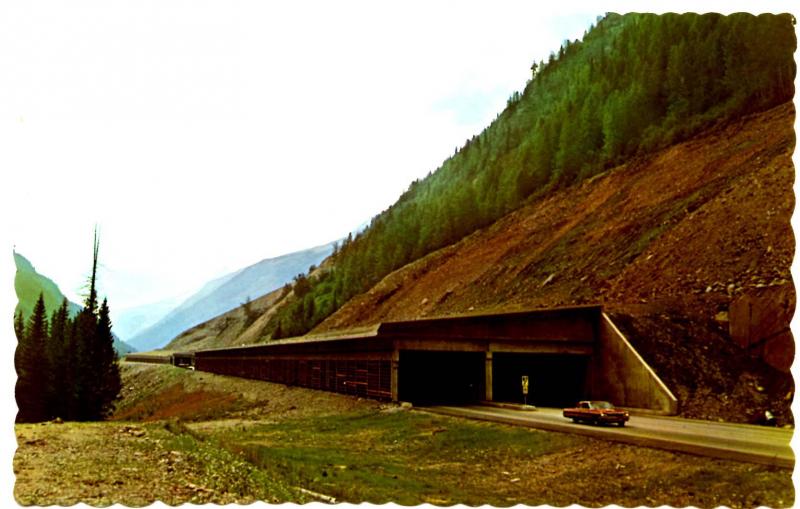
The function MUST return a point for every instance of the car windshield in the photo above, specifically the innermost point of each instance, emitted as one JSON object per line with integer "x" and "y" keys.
{"x": 601, "y": 405}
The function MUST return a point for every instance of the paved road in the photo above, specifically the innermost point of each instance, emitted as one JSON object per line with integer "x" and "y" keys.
{"x": 741, "y": 442}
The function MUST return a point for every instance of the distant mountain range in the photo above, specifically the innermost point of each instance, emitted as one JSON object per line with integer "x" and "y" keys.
{"x": 29, "y": 284}
{"x": 130, "y": 321}
{"x": 226, "y": 293}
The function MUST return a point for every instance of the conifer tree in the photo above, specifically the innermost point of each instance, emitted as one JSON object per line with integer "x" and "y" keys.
{"x": 32, "y": 368}
{"x": 91, "y": 373}
{"x": 88, "y": 368}
{"x": 108, "y": 383}
{"x": 71, "y": 393}
{"x": 19, "y": 325}
{"x": 57, "y": 355}
{"x": 83, "y": 368}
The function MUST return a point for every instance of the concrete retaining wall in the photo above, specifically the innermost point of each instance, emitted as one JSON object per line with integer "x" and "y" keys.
{"x": 621, "y": 375}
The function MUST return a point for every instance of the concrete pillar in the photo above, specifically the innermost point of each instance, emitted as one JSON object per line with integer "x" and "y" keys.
{"x": 488, "y": 372}
{"x": 395, "y": 375}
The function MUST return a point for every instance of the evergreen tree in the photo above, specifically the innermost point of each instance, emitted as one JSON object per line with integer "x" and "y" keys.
{"x": 91, "y": 373}
{"x": 83, "y": 397}
{"x": 57, "y": 355}
{"x": 96, "y": 376}
{"x": 91, "y": 297}
{"x": 107, "y": 384}
{"x": 72, "y": 379}
{"x": 84, "y": 352}
{"x": 19, "y": 325}
{"x": 32, "y": 368}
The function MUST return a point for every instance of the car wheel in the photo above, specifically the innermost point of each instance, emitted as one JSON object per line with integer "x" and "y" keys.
{"x": 575, "y": 419}
{"x": 621, "y": 424}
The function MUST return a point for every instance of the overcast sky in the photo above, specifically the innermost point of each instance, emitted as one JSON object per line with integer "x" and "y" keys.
{"x": 204, "y": 136}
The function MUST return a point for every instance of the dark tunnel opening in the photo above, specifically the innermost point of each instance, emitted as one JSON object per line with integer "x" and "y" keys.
{"x": 554, "y": 380}
{"x": 439, "y": 378}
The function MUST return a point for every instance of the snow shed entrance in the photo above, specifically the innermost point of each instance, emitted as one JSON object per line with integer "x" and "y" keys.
{"x": 441, "y": 378}
{"x": 553, "y": 380}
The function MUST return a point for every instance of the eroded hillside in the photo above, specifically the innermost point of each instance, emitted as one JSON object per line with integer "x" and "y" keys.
{"x": 666, "y": 242}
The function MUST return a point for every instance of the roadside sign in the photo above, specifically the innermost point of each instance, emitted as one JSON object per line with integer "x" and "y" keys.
{"x": 525, "y": 385}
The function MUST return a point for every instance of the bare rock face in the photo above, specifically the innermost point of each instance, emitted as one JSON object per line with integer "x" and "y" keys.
{"x": 759, "y": 322}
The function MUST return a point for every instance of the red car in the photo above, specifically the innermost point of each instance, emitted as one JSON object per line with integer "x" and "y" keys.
{"x": 597, "y": 412}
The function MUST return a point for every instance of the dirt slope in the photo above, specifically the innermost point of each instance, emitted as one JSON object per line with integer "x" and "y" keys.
{"x": 666, "y": 243}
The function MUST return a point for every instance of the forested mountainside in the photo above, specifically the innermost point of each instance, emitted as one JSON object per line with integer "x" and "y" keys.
{"x": 635, "y": 84}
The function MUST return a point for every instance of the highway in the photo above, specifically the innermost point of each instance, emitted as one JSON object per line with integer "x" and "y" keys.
{"x": 740, "y": 442}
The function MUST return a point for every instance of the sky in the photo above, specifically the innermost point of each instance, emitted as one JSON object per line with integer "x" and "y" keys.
{"x": 204, "y": 138}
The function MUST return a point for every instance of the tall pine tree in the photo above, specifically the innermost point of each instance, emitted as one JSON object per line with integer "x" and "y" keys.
{"x": 60, "y": 328}
{"x": 108, "y": 383}
{"x": 19, "y": 325}
{"x": 96, "y": 373}
{"x": 83, "y": 366}
{"x": 32, "y": 368}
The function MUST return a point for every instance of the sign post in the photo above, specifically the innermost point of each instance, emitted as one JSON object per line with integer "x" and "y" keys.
{"x": 525, "y": 389}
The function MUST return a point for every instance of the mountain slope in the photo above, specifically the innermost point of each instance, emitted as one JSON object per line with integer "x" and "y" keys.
{"x": 701, "y": 213}
{"x": 229, "y": 292}
{"x": 668, "y": 243}
{"x": 28, "y": 284}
